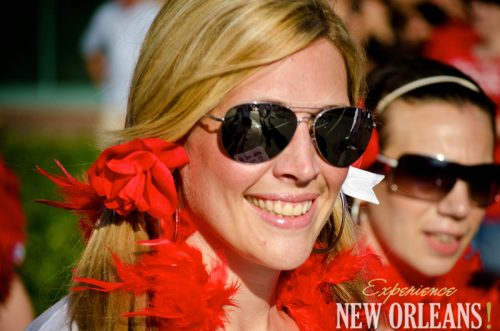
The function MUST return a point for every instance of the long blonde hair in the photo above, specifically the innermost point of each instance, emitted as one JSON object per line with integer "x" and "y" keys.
{"x": 195, "y": 52}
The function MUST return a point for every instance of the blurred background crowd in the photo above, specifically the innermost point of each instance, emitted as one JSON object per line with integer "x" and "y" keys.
{"x": 64, "y": 76}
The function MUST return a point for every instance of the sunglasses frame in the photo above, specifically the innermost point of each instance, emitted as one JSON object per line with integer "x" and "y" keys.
{"x": 455, "y": 172}
{"x": 299, "y": 120}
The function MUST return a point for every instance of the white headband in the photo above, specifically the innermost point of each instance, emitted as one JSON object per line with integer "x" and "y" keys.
{"x": 387, "y": 99}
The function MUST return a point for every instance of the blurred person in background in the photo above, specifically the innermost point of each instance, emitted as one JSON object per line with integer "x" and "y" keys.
{"x": 389, "y": 29}
{"x": 479, "y": 57}
{"x": 110, "y": 46}
{"x": 16, "y": 311}
{"x": 414, "y": 23}
{"x": 455, "y": 35}
{"x": 436, "y": 146}
{"x": 455, "y": 10}
{"x": 369, "y": 23}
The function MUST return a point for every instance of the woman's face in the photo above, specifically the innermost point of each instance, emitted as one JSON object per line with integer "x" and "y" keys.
{"x": 231, "y": 200}
{"x": 486, "y": 19}
{"x": 431, "y": 236}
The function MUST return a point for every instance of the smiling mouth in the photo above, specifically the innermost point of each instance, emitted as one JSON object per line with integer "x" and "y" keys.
{"x": 444, "y": 238}
{"x": 445, "y": 244}
{"x": 281, "y": 208}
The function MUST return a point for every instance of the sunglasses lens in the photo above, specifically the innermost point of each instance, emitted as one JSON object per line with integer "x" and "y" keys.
{"x": 428, "y": 178}
{"x": 254, "y": 133}
{"x": 422, "y": 177}
{"x": 342, "y": 134}
{"x": 484, "y": 184}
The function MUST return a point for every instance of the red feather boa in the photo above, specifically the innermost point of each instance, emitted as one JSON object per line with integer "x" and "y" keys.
{"x": 305, "y": 293}
{"x": 137, "y": 177}
{"x": 184, "y": 296}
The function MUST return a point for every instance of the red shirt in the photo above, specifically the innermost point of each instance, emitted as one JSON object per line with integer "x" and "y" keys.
{"x": 458, "y": 292}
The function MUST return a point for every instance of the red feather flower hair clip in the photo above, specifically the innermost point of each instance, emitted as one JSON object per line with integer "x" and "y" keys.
{"x": 134, "y": 176}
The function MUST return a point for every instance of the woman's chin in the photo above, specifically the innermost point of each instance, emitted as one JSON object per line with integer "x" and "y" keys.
{"x": 434, "y": 267}
{"x": 287, "y": 258}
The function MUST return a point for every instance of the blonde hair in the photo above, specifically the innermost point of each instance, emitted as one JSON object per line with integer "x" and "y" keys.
{"x": 195, "y": 52}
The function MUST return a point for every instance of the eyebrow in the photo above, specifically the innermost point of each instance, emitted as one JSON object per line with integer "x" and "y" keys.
{"x": 281, "y": 103}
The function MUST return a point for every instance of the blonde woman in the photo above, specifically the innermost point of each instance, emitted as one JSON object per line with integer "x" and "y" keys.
{"x": 241, "y": 126}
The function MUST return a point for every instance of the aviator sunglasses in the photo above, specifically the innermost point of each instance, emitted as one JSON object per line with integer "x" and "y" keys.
{"x": 257, "y": 132}
{"x": 430, "y": 178}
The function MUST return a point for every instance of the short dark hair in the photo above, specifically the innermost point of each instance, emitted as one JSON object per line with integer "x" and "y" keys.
{"x": 386, "y": 79}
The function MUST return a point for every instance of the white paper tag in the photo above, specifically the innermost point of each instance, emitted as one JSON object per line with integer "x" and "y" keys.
{"x": 359, "y": 184}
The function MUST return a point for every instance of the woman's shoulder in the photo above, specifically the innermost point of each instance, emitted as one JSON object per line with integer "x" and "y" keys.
{"x": 54, "y": 318}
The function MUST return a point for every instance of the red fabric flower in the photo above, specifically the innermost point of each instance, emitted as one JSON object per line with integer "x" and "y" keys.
{"x": 136, "y": 175}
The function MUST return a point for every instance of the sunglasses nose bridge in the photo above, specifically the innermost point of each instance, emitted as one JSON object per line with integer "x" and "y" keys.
{"x": 457, "y": 202}
{"x": 305, "y": 119}
{"x": 309, "y": 120}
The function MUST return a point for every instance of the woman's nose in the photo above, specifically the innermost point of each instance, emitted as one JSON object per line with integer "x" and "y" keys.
{"x": 456, "y": 203}
{"x": 299, "y": 160}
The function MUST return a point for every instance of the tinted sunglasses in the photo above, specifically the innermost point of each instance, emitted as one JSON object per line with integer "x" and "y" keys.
{"x": 257, "y": 132}
{"x": 429, "y": 178}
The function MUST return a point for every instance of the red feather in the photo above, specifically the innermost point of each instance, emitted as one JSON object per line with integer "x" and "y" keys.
{"x": 305, "y": 292}
{"x": 184, "y": 295}
{"x": 79, "y": 197}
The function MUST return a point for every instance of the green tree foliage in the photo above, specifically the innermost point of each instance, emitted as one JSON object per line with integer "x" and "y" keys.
{"x": 54, "y": 242}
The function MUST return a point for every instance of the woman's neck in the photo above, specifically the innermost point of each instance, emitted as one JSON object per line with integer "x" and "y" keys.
{"x": 409, "y": 274}
{"x": 255, "y": 301}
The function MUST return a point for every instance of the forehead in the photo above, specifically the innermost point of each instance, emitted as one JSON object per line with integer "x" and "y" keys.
{"x": 459, "y": 132}
{"x": 313, "y": 77}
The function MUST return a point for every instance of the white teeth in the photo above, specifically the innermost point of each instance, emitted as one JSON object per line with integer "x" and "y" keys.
{"x": 277, "y": 208}
{"x": 268, "y": 205}
{"x": 297, "y": 210}
{"x": 444, "y": 238}
{"x": 287, "y": 209}
{"x": 282, "y": 208}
